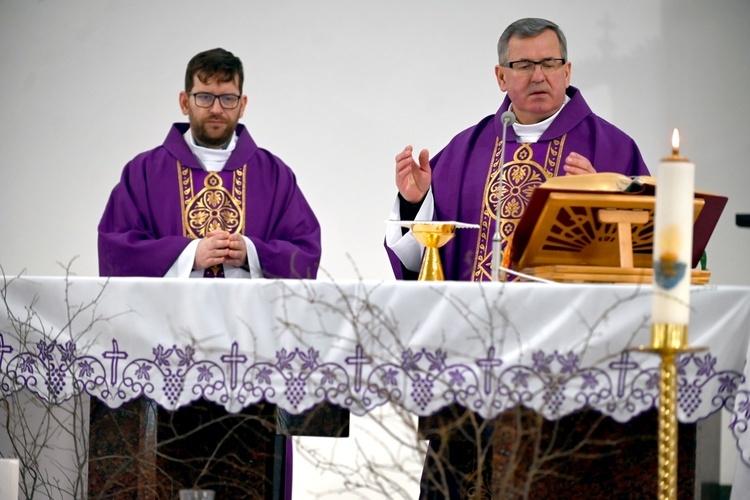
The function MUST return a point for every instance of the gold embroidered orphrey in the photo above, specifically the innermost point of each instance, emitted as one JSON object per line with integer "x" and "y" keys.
{"x": 214, "y": 207}
{"x": 520, "y": 177}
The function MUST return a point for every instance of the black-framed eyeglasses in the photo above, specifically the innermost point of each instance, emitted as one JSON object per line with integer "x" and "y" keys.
{"x": 206, "y": 100}
{"x": 549, "y": 65}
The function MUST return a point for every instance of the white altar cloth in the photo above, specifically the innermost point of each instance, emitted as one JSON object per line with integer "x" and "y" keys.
{"x": 363, "y": 344}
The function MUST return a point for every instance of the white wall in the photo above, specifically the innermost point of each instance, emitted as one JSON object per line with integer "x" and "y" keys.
{"x": 336, "y": 88}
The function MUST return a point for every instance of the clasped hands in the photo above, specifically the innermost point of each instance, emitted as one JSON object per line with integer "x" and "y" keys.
{"x": 413, "y": 178}
{"x": 220, "y": 247}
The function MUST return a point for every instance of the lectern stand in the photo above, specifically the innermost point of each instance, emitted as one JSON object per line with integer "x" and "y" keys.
{"x": 591, "y": 229}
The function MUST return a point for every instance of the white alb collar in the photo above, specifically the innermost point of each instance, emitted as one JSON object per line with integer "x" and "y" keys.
{"x": 212, "y": 160}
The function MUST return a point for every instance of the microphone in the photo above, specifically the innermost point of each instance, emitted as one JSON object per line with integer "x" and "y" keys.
{"x": 507, "y": 118}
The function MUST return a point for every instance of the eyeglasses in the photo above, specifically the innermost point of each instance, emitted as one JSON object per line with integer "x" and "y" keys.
{"x": 548, "y": 65}
{"x": 206, "y": 100}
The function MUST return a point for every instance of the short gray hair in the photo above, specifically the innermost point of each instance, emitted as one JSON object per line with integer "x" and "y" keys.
{"x": 527, "y": 28}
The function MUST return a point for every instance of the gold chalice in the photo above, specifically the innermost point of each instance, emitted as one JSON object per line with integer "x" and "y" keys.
{"x": 432, "y": 236}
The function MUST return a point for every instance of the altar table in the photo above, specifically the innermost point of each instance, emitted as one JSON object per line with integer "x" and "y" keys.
{"x": 553, "y": 348}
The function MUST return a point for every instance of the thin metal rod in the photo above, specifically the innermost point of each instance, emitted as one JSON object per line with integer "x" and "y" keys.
{"x": 496, "y": 240}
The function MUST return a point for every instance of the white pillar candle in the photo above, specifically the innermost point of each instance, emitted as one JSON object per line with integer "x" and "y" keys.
{"x": 8, "y": 478}
{"x": 673, "y": 238}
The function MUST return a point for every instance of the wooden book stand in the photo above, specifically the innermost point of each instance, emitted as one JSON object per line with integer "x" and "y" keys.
{"x": 599, "y": 228}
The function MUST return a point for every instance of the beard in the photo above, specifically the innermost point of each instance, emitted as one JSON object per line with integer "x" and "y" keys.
{"x": 209, "y": 135}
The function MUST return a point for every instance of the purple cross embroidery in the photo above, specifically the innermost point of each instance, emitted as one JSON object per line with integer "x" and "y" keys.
{"x": 358, "y": 360}
{"x": 487, "y": 365}
{"x": 115, "y": 355}
{"x": 233, "y": 360}
{"x": 4, "y": 348}
{"x": 622, "y": 366}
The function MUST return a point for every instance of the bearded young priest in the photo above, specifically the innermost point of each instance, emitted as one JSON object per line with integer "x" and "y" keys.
{"x": 209, "y": 203}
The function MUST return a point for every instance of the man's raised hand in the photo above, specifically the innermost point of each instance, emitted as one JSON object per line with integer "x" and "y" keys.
{"x": 413, "y": 179}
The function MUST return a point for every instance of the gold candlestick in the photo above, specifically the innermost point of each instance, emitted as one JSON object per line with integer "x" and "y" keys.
{"x": 432, "y": 236}
{"x": 668, "y": 341}
{"x": 668, "y": 443}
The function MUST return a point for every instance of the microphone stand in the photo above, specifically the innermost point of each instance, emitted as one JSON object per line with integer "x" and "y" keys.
{"x": 508, "y": 118}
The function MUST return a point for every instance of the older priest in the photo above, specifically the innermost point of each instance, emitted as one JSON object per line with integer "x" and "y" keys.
{"x": 555, "y": 133}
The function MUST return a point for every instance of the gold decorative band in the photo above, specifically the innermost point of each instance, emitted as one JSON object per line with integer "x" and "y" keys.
{"x": 669, "y": 337}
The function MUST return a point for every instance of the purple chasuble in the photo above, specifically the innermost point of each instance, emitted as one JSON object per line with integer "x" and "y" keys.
{"x": 165, "y": 199}
{"x": 465, "y": 178}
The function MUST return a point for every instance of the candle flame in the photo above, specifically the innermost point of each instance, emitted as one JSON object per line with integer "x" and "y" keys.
{"x": 675, "y": 142}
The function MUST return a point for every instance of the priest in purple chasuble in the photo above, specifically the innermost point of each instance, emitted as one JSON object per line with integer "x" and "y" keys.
{"x": 210, "y": 203}
{"x": 555, "y": 133}
{"x": 171, "y": 197}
